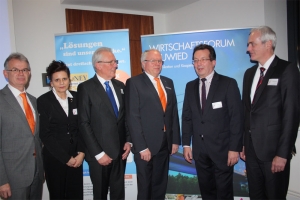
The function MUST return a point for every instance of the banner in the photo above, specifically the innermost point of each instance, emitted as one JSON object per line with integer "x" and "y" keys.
{"x": 76, "y": 50}
{"x": 232, "y": 60}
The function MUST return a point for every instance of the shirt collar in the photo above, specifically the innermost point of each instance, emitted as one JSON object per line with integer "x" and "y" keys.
{"x": 102, "y": 80}
{"x": 209, "y": 77}
{"x": 268, "y": 63}
{"x": 69, "y": 95}
{"x": 15, "y": 91}
{"x": 151, "y": 77}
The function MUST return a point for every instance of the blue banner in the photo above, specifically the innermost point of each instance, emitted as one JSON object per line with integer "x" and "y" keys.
{"x": 232, "y": 60}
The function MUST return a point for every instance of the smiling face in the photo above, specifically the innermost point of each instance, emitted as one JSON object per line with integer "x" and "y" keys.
{"x": 259, "y": 51}
{"x": 60, "y": 82}
{"x": 17, "y": 79}
{"x": 202, "y": 63}
{"x": 107, "y": 70}
{"x": 153, "y": 68}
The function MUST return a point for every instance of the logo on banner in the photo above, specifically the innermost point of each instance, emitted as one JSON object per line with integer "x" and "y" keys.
{"x": 76, "y": 79}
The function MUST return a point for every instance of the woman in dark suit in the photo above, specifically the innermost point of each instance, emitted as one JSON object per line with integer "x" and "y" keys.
{"x": 63, "y": 149}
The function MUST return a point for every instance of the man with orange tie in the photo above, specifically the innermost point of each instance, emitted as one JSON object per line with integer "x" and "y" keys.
{"x": 152, "y": 118}
{"x": 21, "y": 167}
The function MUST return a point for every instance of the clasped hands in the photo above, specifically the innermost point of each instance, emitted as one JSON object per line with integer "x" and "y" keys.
{"x": 77, "y": 161}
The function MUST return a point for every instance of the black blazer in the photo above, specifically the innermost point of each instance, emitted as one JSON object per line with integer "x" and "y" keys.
{"x": 100, "y": 128}
{"x": 273, "y": 118}
{"x": 221, "y": 126}
{"x": 145, "y": 115}
{"x": 59, "y": 132}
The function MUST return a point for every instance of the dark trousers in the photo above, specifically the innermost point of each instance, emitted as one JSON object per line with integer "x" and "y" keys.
{"x": 63, "y": 182}
{"x": 215, "y": 179}
{"x": 152, "y": 176}
{"x": 108, "y": 177}
{"x": 262, "y": 183}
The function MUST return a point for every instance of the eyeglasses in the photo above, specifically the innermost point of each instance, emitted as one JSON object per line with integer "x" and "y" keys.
{"x": 14, "y": 70}
{"x": 155, "y": 61}
{"x": 202, "y": 60}
{"x": 110, "y": 62}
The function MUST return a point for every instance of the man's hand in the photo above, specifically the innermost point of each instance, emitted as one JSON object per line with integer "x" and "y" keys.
{"x": 242, "y": 154}
{"x": 174, "y": 148}
{"x": 105, "y": 160}
{"x": 278, "y": 164}
{"x": 5, "y": 191}
{"x": 127, "y": 148}
{"x": 146, "y": 155}
{"x": 187, "y": 153}
{"x": 233, "y": 158}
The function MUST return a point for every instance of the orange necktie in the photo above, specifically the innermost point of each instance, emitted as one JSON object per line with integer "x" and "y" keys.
{"x": 28, "y": 112}
{"x": 162, "y": 96}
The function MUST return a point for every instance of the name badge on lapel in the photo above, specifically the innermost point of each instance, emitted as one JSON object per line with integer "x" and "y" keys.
{"x": 75, "y": 111}
{"x": 122, "y": 92}
{"x": 217, "y": 105}
{"x": 273, "y": 81}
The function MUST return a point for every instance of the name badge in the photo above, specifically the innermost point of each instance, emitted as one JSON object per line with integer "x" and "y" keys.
{"x": 122, "y": 92}
{"x": 75, "y": 111}
{"x": 217, "y": 105}
{"x": 273, "y": 81}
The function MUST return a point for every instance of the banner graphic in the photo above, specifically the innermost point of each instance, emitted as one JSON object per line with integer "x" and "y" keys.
{"x": 232, "y": 60}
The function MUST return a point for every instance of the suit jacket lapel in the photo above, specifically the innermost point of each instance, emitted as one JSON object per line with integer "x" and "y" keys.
{"x": 12, "y": 101}
{"x": 152, "y": 90}
{"x": 248, "y": 87}
{"x": 212, "y": 89}
{"x": 98, "y": 88}
{"x": 56, "y": 105}
{"x": 119, "y": 96}
{"x": 197, "y": 95}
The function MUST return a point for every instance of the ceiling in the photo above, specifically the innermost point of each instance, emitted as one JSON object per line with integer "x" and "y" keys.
{"x": 156, "y": 6}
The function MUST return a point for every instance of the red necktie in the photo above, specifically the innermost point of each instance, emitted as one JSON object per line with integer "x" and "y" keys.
{"x": 260, "y": 80}
{"x": 161, "y": 93}
{"x": 28, "y": 112}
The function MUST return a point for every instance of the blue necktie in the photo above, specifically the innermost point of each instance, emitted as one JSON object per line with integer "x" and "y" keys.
{"x": 111, "y": 98}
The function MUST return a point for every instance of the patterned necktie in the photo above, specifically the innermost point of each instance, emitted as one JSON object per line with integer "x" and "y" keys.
{"x": 161, "y": 93}
{"x": 28, "y": 112}
{"x": 260, "y": 80}
{"x": 203, "y": 94}
{"x": 111, "y": 98}
{"x": 261, "y": 77}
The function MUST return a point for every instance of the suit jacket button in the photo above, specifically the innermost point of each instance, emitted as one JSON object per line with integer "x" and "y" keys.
{"x": 202, "y": 122}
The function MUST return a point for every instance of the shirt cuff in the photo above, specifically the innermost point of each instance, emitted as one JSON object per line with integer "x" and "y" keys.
{"x": 100, "y": 155}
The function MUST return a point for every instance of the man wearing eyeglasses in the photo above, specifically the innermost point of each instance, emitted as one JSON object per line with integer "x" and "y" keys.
{"x": 212, "y": 119}
{"x": 101, "y": 113}
{"x": 21, "y": 167}
{"x": 152, "y": 118}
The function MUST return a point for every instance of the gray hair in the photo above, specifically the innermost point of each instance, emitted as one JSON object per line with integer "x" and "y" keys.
{"x": 144, "y": 55}
{"x": 17, "y": 56}
{"x": 98, "y": 55}
{"x": 266, "y": 34}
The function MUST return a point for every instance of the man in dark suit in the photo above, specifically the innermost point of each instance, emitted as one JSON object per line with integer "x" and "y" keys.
{"x": 102, "y": 125}
{"x": 21, "y": 166}
{"x": 212, "y": 119}
{"x": 152, "y": 117}
{"x": 271, "y": 103}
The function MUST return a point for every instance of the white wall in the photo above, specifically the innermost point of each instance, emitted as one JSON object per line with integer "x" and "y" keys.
{"x": 36, "y": 21}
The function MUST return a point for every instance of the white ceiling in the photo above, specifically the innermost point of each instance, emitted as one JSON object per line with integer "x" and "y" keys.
{"x": 156, "y": 6}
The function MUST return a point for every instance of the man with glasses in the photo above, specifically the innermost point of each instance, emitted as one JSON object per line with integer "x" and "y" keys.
{"x": 212, "y": 119}
{"x": 21, "y": 167}
{"x": 152, "y": 118}
{"x": 102, "y": 126}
